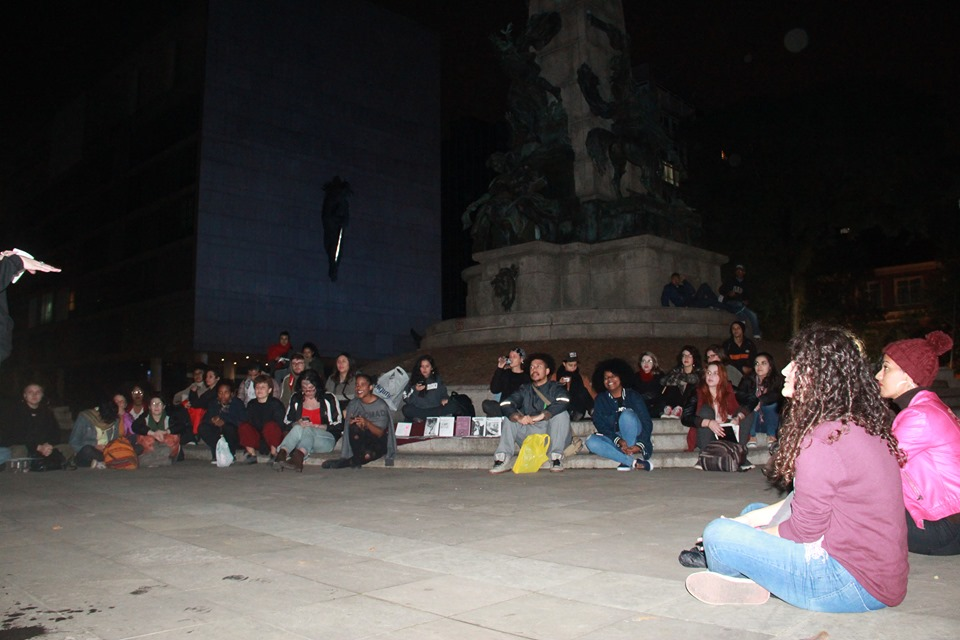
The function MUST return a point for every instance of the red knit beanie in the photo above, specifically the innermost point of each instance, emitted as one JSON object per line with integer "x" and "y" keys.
{"x": 919, "y": 357}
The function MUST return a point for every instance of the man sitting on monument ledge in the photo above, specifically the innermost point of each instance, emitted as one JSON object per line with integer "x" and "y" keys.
{"x": 539, "y": 406}
{"x": 680, "y": 293}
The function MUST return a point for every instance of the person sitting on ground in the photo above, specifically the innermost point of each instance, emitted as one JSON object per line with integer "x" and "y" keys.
{"x": 760, "y": 392}
{"x": 30, "y": 430}
{"x": 680, "y": 383}
{"x": 288, "y": 386}
{"x": 648, "y": 382}
{"x": 314, "y": 420}
{"x": 137, "y": 406}
{"x": 735, "y": 298}
{"x": 680, "y": 293}
{"x": 929, "y": 436}
{"x": 508, "y": 377}
{"x": 579, "y": 389}
{"x": 714, "y": 405}
{"x": 716, "y": 353}
{"x": 426, "y": 396}
{"x": 310, "y": 359}
{"x": 203, "y": 397}
{"x": 341, "y": 383}
{"x": 620, "y": 416}
{"x": 126, "y": 420}
{"x": 264, "y": 427}
{"x": 740, "y": 349}
{"x": 222, "y": 418}
{"x": 92, "y": 431}
{"x": 838, "y": 544}
{"x": 539, "y": 406}
{"x": 368, "y": 430}
{"x": 197, "y": 386}
{"x": 160, "y": 424}
{"x": 278, "y": 355}
{"x": 246, "y": 391}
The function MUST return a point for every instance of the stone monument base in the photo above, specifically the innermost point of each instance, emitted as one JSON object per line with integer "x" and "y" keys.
{"x": 577, "y": 290}
{"x": 700, "y": 326}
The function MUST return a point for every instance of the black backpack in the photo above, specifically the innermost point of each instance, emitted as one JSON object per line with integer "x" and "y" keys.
{"x": 461, "y": 404}
{"x": 723, "y": 455}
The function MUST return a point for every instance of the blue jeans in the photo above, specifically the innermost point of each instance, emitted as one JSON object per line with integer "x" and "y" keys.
{"x": 767, "y": 421}
{"x": 630, "y": 430}
{"x": 743, "y": 312}
{"x": 802, "y": 574}
{"x": 310, "y": 439}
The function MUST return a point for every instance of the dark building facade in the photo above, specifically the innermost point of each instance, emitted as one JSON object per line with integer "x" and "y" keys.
{"x": 181, "y": 193}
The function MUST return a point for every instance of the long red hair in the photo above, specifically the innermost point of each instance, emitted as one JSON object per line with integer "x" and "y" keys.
{"x": 726, "y": 399}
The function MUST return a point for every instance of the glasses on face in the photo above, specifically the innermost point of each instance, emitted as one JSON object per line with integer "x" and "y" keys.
{"x": 136, "y": 392}
{"x": 156, "y": 403}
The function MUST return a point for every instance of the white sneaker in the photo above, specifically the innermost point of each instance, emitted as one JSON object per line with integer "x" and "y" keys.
{"x": 499, "y": 466}
{"x": 715, "y": 588}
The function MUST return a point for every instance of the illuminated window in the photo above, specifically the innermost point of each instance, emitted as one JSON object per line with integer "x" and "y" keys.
{"x": 46, "y": 308}
{"x": 670, "y": 174}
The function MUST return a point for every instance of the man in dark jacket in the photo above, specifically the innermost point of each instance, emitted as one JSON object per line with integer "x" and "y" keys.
{"x": 223, "y": 418}
{"x": 537, "y": 407}
{"x": 30, "y": 429}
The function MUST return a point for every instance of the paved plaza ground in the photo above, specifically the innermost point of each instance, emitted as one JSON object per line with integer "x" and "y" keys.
{"x": 193, "y": 551}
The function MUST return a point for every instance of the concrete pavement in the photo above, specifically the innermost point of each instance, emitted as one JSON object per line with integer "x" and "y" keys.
{"x": 193, "y": 551}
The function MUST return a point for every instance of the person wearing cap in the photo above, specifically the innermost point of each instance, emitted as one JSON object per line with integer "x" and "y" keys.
{"x": 578, "y": 387}
{"x": 508, "y": 377}
{"x": 929, "y": 434}
{"x": 735, "y": 298}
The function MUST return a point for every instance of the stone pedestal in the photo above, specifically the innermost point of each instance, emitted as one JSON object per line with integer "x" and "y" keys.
{"x": 603, "y": 290}
{"x": 619, "y": 274}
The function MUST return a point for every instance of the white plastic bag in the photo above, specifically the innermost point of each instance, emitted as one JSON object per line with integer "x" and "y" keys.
{"x": 224, "y": 455}
{"x": 390, "y": 387}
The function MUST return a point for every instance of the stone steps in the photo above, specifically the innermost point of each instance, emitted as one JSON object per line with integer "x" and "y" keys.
{"x": 669, "y": 443}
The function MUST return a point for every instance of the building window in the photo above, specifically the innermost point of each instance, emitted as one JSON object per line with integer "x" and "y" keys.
{"x": 873, "y": 295}
{"x": 46, "y": 308}
{"x": 908, "y": 291}
{"x": 670, "y": 174}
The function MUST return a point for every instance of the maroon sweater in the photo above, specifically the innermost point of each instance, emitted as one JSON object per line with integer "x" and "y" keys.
{"x": 848, "y": 493}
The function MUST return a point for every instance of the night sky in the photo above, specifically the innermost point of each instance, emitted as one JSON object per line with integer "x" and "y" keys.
{"x": 711, "y": 53}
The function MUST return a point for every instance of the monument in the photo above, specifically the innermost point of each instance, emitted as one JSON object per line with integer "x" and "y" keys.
{"x": 583, "y": 223}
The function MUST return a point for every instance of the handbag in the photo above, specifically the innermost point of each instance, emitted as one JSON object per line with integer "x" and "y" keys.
{"x": 224, "y": 455}
{"x": 390, "y": 387}
{"x": 533, "y": 453}
{"x": 120, "y": 454}
{"x": 723, "y": 455}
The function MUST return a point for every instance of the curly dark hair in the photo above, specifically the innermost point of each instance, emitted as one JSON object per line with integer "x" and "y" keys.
{"x": 619, "y": 368}
{"x": 545, "y": 358}
{"x": 697, "y": 362}
{"x": 832, "y": 382}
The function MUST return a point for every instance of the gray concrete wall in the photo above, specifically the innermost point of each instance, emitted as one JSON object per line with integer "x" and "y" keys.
{"x": 298, "y": 91}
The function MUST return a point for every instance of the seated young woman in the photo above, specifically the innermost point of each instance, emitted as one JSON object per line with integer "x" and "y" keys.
{"x": 160, "y": 424}
{"x": 712, "y": 406}
{"x": 426, "y": 396}
{"x": 648, "y": 382}
{"x": 341, "y": 383}
{"x": 838, "y": 544}
{"x": 620, "y": 416}
{"x": 263, "y": 430}
{"x": 315, "y": 423}
{"x": 680, "y": 383}
{"x": 93, "y": 430}
{"x": 929, "y": 435}
{"x": 760, "y": 392}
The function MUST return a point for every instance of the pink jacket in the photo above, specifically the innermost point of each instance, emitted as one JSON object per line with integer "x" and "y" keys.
{"x": 929, "y": 434}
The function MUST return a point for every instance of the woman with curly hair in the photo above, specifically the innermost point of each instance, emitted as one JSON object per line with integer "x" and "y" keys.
{"x": 621, "y": 419}
{"x": 929, "y": 435}
{"x": 843, "y": 545}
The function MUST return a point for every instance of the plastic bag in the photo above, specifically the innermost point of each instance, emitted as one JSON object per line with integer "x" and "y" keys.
{"x": 390, "y": 387}
{"x": 532, "y": 454}
{"x": 224, "y": 455}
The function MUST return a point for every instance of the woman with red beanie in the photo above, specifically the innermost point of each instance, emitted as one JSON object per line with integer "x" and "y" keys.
{"x": 929, "y": 435}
